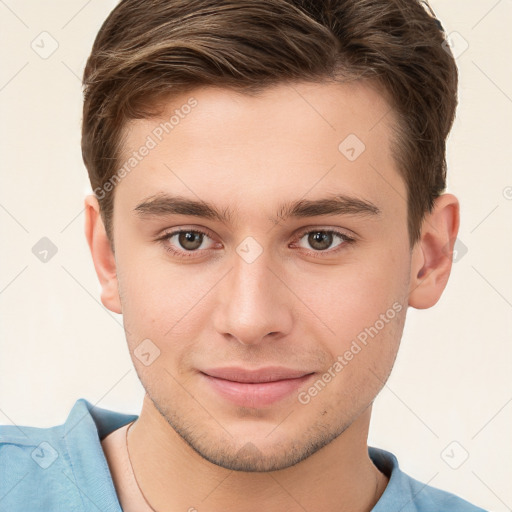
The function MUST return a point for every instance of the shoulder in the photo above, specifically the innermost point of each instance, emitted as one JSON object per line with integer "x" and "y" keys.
{"x": 407, "y": 494}
{"x": 33, "y": 462}
{"x": 61, "y": 467}
{"x": 427, "y": 497}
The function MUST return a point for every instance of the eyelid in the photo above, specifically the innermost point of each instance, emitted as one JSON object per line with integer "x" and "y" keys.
{"x": 187, "y": 227}
{"x": 328, "y": 229}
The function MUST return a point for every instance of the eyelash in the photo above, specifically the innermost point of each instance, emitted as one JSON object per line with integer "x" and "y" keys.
{"x": 346, "y": 240}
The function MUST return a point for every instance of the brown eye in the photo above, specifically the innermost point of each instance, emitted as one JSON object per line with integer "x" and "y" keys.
{"x": 190, "y": 240}
{"x": 320, "y": 240}
{"x": 323, "y": 243}
{"x": 187, "y": 242}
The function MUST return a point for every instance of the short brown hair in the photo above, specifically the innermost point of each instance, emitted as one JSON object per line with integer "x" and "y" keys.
{"x": 153, "y": 49}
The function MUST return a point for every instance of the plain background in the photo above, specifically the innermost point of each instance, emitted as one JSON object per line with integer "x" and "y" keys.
{"x": 450, "y": 394}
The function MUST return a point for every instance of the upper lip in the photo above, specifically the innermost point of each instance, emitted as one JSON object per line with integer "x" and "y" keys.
{"x": 267, "y": 374}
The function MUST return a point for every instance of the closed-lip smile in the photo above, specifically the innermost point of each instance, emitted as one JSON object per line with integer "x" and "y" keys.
{"x": 254, "y": 388}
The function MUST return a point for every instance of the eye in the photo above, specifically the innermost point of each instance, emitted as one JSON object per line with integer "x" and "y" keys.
{"x": 185, "y": 242}
{"x": 189, "y": 240}
{"x": 320, "y": 240}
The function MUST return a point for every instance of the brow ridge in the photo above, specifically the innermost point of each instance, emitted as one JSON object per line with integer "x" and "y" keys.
{"x": 339, "y": 204}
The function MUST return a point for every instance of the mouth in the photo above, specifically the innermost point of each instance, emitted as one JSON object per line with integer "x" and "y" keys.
{"x": 254, "y": 388}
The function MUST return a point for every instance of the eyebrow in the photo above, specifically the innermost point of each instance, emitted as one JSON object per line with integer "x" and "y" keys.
{"x": 162, "y": 205}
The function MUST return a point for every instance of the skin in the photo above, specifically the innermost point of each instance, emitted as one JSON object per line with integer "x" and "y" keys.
{"x": 293, "y": 306}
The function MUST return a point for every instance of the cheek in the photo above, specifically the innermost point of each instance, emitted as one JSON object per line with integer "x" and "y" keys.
{"x": 160, "y": 304}
{"x": 363, "y": 305}
{"x": 353, "y": 296}
{"x": 362, "y": 358}
{"x": 145, "y": 299}
{"x": 151, "y": 288}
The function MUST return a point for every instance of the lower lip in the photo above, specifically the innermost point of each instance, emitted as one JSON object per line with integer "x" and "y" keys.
{"x": 255, "y": 395}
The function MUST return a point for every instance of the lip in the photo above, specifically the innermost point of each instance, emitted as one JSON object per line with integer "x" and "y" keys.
{"x": 255, "y": 388}
{"x": 266, "y": 374}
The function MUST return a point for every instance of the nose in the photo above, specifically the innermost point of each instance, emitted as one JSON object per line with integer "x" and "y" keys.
{"x": 254, "y": 305}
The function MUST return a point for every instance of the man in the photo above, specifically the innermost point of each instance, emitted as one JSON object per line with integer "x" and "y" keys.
{"x": 268, "y": 201}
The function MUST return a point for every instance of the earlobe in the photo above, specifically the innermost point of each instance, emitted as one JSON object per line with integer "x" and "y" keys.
{"x": 102, "y": 255}
{"x": 432, "y": 255}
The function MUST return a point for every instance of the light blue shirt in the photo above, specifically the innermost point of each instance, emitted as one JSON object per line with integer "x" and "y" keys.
{"x": 63, "y": 468}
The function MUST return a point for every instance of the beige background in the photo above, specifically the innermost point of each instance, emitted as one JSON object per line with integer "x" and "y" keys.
{"x": 452, "y": 380}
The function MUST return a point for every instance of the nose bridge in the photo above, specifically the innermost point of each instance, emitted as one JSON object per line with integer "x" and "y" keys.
{"x": 252, "y": 303}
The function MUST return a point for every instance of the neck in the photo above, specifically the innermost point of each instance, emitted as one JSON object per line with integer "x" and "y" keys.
{"x": 173, "y": 476}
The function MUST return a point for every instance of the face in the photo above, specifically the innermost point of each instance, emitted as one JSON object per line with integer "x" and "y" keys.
{"x": 302, "y": 273}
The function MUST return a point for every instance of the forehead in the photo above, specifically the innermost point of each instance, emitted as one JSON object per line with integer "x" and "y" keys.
{"x": 287, "y": 142}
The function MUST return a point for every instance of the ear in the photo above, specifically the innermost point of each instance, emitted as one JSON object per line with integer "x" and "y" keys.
{"x": 432, "y": 254}
{"x": 102, "y": 255}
